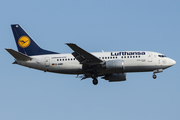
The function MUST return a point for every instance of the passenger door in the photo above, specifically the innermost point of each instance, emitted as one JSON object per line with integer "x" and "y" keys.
{"x": 150, "y": 57}
{"x": 47, "y": 62}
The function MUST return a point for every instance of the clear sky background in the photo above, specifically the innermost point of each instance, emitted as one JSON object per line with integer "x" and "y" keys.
{"x": 95, "y": 25}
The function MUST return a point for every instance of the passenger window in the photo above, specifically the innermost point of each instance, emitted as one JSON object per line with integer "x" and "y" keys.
{"x": 124, "y": 56}
{"x": 127, "y": 56}
{"x": 161, "y": 56}
{"x": 57, "y": 59}
{"x": 105, "y": 57}
{"x": 139, "y": 56}
{"x": 121, "y": 56}
{"x": 130, "y": 56}
{"x": 133, "y": 56}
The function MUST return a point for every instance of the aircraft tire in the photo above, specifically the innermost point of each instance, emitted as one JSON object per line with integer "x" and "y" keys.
{"x": 154, "y": 76}
{"x": 95, "y": 81}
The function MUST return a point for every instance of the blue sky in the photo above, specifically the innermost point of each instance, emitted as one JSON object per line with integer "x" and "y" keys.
{"x": 94, "y": 25}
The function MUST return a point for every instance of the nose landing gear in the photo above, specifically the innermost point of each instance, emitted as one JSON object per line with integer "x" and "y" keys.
{"x": 157, "y": 71}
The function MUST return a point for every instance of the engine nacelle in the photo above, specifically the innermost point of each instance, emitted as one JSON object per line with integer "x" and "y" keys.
{"x": 115, "y": 77}
{"x": 114, "y": 64}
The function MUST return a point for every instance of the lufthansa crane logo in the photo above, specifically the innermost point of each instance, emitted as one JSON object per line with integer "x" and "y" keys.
{"x": 24, "y": 41}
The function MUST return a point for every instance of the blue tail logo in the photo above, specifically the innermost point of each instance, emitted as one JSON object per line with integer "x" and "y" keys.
{"x": 26, "y": 44}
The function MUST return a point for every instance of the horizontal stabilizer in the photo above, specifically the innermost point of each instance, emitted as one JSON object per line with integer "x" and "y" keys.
{"x": 18, "y": 55}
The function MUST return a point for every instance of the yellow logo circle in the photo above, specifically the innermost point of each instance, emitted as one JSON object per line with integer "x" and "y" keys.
{"x": 24, "y": 41}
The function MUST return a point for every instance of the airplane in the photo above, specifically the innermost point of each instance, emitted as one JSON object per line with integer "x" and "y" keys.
{"x": 111, "y": 66}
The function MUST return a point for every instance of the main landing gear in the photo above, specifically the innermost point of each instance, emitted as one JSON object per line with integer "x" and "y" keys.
{"x": 154, "y": 76}
{"x": 94, "y": 77}
{"x": 95, "y": 81}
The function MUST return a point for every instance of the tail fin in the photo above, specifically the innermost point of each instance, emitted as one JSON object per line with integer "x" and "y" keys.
{"x": 26, "y": 44}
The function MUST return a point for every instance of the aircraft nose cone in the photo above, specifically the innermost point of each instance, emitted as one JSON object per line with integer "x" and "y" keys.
{"x": 173, "y": 62}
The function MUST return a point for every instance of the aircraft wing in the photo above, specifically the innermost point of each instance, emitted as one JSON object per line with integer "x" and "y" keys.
{"x": 83, "y": 56}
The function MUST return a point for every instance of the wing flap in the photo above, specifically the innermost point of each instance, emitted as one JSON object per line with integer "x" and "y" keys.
{"x": 83, "y": 56}
{"x": 18, "y": 55}
{"x": 79, "y": 57}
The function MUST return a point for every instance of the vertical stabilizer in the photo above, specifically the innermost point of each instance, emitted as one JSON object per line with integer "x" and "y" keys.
{"x": 26, "y": 44}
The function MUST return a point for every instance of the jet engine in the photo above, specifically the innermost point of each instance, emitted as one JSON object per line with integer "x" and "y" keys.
{"x": 114, "y": 64}
{"x": 115, "y": 77}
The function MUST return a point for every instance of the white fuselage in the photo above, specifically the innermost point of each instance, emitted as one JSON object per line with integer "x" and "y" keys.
{"x": 67, "y": 64}
{"x": 111, "y": 66}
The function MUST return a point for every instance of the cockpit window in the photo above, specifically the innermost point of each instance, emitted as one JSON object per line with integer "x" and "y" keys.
{"x": 161, "y": 56}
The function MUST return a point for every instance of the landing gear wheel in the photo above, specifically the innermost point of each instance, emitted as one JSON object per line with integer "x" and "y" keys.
{"x": 154, "y": 76}
{"x": 95, "y": 81}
